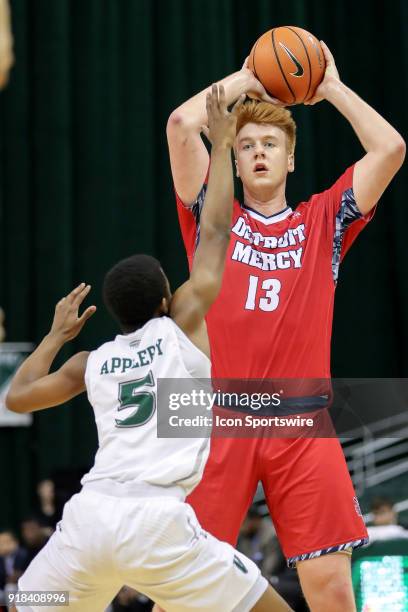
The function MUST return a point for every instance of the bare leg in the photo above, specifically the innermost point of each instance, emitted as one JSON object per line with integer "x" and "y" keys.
{"x": 271, "y": 601}
{"x": 326, "y": 583}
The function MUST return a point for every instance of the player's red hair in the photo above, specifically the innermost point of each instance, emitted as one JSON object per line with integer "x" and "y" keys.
{"x": 255, "y": 111}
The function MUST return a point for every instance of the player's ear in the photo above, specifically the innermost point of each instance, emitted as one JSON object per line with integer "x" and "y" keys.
{"x": 291, "y": 162}
{"x": 163, "y": 309}
{"x": 236, "y": 168}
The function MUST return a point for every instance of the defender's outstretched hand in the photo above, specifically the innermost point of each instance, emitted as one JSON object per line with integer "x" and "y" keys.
{"x": 221, "y": 130}
{"x": 66, "y": 324}
{"x": 331, "y": 74}
{"x": 33, "y": 387}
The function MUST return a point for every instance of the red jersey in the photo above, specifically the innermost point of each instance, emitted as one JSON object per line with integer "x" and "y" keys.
{"x": 273, "y": 316}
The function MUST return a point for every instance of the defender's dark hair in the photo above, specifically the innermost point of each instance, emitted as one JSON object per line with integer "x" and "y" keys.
{"x": 133, "y": 290}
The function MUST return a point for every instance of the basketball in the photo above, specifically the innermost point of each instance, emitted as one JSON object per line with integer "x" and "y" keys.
{"x": 289, "y": 62}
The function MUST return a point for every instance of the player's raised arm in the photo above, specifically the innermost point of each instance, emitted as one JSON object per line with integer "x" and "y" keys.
{"x": 193, "y": 299}
{"x": 384, "y": 146}
{"x": 32, "y": 387}
{"x": 188, "y": 154}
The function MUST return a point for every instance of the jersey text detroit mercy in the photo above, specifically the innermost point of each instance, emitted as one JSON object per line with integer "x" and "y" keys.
{"x": 244, "y": 253}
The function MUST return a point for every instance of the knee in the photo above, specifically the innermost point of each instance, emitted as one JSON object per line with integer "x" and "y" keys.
{"x": 336, "y": 590}
{"x": 340, "y": 590}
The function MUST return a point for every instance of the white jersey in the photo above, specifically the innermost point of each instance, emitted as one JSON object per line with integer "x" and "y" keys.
{"x": 121, "y": 379}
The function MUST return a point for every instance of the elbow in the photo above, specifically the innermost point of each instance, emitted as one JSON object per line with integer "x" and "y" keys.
{"x": 12, "y": 403}
{"x": 175, "y": 120}
{"x": 17, "y": 402}
{"x": 179, "y": 122}
{"x": 397, "y": 150}
{"x": 402, "y": 149}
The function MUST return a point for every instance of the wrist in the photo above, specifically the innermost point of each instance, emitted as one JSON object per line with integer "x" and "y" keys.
{"x": 221, "y": 147}
{"x": 332, "y": 88}
{"x": 246, "y": 80}
{"x": 54, "y": 339}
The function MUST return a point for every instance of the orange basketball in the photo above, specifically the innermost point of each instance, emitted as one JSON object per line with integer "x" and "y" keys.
{"x": 289, "y": 62}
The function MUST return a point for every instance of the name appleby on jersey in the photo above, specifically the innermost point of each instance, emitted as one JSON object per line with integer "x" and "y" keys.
{"x": 144, "y": 357}
{"x": 246, "y": 254}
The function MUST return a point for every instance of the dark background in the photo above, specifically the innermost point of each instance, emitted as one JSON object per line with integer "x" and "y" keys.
{"x": 85, "y": 181}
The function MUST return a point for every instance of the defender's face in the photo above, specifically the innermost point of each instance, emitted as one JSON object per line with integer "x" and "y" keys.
{"x": 262, "y": 157}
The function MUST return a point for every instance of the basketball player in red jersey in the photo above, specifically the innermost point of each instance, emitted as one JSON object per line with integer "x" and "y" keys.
{"x": 273, "y": 318}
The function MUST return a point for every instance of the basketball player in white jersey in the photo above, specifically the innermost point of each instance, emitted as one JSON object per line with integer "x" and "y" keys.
{"x": 129, "y": 524}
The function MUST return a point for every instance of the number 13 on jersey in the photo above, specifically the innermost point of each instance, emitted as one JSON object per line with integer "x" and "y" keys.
{"x": 269, "y": 300}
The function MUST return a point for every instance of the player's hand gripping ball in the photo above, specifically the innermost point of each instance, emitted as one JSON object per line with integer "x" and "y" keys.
{"x": 289, "y": 62}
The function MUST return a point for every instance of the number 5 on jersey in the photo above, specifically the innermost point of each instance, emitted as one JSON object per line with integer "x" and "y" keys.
{"x": 132, "y": 394}
{"x": 270, "y": 300}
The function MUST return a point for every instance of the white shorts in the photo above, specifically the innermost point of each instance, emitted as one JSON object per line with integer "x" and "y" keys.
{"x": 154, "y": 545}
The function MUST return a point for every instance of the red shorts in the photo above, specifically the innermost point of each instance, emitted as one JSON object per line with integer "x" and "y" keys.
{"x": 307, "y": 486}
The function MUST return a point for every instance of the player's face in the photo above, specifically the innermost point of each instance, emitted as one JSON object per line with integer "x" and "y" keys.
{"x": 262, "y": 157}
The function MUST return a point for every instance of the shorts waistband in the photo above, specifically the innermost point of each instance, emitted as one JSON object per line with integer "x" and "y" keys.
{"x": 134, "y": 489}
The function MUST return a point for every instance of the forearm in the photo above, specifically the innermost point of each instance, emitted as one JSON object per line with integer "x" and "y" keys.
{"x": 193, "y": 112}
{"x": 217, "y": 209}
{"x": 188, "y": 154}
{"x": 373, "y": 131}
{"x": 38, "y": 364}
